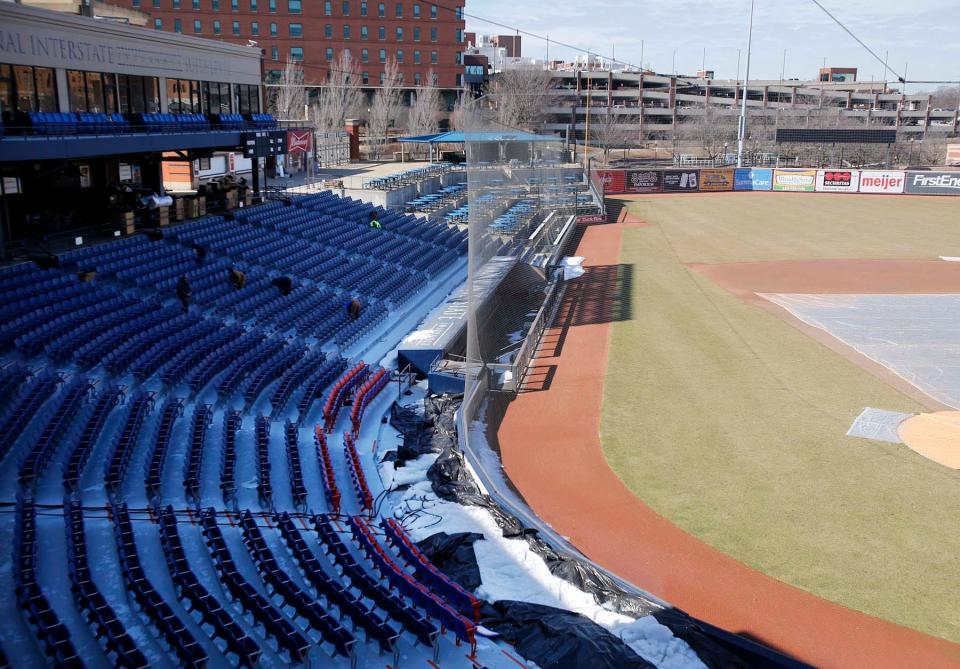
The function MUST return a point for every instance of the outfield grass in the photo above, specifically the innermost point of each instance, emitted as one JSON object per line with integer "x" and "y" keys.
{"x": 730, "y": 422}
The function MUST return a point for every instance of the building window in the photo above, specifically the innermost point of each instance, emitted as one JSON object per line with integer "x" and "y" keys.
{"x": 197, "y": 26}
{"x": 329, "y": 53}
{"x": 381, "y": 33}
{"x": 254, "y": 28}
{"x": 383, "y": 78}
{"x": 399, "y": 55}
{"x": 346, "y": 31}
{"x": 399, "y": 10}
{"x": 235, "y": 27}
{"x": 364, "y": 55}
{"x": 433, "y": 34}
{"x": 294, "y": 7}
{"x": 416, "y": 56}
{"x": 196, "y": 4}
{"x": 381, "y": 10}
{"x": 346, "y": 7}
{"x": 459, "y": 11}
{"x": 216, "y": 26}
{"x": 183, "y": 96}
{"x": 459, "y": 58}
{"x": 365, "y": 76}
{"x": 363, "y": 7}
{"x": 459, "y": 36}
{"x": 158, "y": 24}
{"x": 253, "y": 5}
{"x": 416, "y": 78}
{"x": 177, "y": 26}
{"x": 176, "y": 4}
{"x": 137, "y": 94}
{"x": 327, "y": 8}
{"x": 274, "y": 53}
{"x": 26, "y": 88}
{"x": 235, "y": 5}
{"x": 416, "y": 34}
{"x": 416, "y": 10}
{"x": 273, "y": 29}
{"x": 399, "y": 34}
{"x": 156, "y": 4}
{"x": 433, "y": 57}
{"x": 383, "y": 55}
{"x": 296, "y": 29}
{"x": 215, "y": 97}
{"x": 273, "y": 6}
{"x": 364, "y": 33}
{"x": 328, "y": 31}
{"x": 459, "y": 80}
{"x": 136, "y": 3}
{"x": 296, "y": 53}
{"x": 248, "y": 99}
{"x": 433, "y": 11}
{"x": 215, "y": 4}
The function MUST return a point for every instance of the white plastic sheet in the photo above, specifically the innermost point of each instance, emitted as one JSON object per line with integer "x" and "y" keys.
{"x": 878, "y": 424}
{"x": 573, "y": 267}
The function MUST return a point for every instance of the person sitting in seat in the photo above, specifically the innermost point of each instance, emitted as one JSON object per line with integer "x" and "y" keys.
{"x": 237, "y": 278}
{"x": 183, "y": 292}
{"x": 200, "y": 251}
{"x": 374, "y": 223}
{"x": 353, "y": 308}
{"x": 284, "y": 284}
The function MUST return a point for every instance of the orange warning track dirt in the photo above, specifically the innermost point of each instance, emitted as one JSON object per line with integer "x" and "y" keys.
{"x": 549, "y": 441}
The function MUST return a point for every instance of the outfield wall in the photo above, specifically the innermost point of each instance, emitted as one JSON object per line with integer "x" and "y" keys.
{"x": 794, "y": 180}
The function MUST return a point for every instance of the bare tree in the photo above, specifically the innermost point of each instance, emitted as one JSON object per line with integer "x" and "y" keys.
{"x": 708, "y": 131}
{"x": 386, "y": 105}
{"x": 519, "y": 95}
{"x": 340, "y": 98}
{"x": 425, "y": 110}
{"x": 607, "y": 132}
{"x": 466, "y": 114}
{"x": 290, "y": 99}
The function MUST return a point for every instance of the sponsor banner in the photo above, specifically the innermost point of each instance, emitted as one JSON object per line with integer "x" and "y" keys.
{"x": 299, "y": 141}
{"x": 838, "y": 181}
{"x": 681, "y": 180}
{"x": 932, "y": 183}
{"x": 757, "y": 178}
{"x": 795, "y": 180}
{"x": 611, "y": 181}
{"x": 591, "y": 218}
{"x": 881, "y": 181}
{"x": 716, "y": 180}
{"x": 644, "y": 181}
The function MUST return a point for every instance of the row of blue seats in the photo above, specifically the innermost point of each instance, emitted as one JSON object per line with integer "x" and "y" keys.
{"x": 33, "y": 342}
{"x": 107, "y": 627}
{"x": 66, "y": 345}
{"x": 314, "y": 384}
{"x": 228, "y": 457}
{"x": 198, "y": 377}
{"x": 70, "y": 402}
{"x": 241, "y": 648}
{"x": 298, "y": 599}
{"x": 194, "y": 351}
{"x": 270, "y": 370}
{"x": 160, "y": 326}
{"x": 154, "y": 357}
{"x": 151, "y": 604}
{"x": 370, "y": 317}
{"x": 118, "y": 459}
{"x": 298, "y": 490}
{"x": 86, "y": 123}
{"x": 172, "y": 410}
{"x": 11, "y": 330}
{"x": 53, "y": 635}
{"x": 76, "y": 459}
{"x": 261, "y": 444}
{"x": 12, "y": 376}
{"x": 293, "y": 377}
{"x": 199, "y": 425}
{"x": 267, "y": 616}
{"x": 245, "y": 363}
{"x": 24, "y": 406}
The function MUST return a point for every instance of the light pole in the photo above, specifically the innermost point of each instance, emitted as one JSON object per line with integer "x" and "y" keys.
{"x": 742, "y": 127}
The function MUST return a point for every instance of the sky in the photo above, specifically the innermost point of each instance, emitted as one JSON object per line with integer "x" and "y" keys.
{"x": 921, "y": 36}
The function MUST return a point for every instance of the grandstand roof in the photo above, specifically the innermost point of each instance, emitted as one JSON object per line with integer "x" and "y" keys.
{"x": 457, "y": 137}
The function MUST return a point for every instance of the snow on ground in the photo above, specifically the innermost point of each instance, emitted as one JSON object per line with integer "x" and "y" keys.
{"x": 510, "y": 570}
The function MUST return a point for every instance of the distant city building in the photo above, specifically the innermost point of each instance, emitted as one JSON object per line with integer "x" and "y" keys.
{"x": 419, "y": 35}
{"x": 838, "y": 74}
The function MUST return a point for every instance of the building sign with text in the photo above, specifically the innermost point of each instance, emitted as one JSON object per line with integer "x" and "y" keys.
{"x": 713, "y": 180}
{"x": 838, "y": 181}
{"x": 882, "y": 181}
{"x": 644, "y": 181}
{"x": 804, "y": 181}
{"x": 681, "y": 180}
{"x": 932, "y": 183}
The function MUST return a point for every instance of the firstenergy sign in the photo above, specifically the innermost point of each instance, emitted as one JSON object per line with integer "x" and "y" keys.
{"x": 933, "y": 183}
{"x": 882, "y": 181}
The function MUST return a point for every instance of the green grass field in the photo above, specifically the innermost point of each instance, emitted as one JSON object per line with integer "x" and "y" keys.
{"x": 730, "y": 422}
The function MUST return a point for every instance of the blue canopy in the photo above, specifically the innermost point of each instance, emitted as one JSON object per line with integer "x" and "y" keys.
{"x": 456, "y": 137}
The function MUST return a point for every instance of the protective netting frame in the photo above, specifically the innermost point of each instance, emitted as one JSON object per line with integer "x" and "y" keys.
{"x": 523, "y": 200}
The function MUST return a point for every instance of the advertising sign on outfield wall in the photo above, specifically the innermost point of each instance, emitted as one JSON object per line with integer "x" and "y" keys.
{"x": 838, "y": 181}
{"x": 644, "y": 181}
{"x": 681, "y": 180}
{"x": 716, "y": 180}
{"x": 881, "y": 181}
{"x": 613, "y": 181}
{"x": 795, "y": 180}
{"x": 932, "y": 183}
{"x": 757, "y": 178}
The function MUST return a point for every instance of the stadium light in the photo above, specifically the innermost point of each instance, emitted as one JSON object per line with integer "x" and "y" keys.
{"x": 742, "y": 126}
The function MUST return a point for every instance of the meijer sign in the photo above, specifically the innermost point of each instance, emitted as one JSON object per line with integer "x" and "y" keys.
{"x": 881, "y": 181}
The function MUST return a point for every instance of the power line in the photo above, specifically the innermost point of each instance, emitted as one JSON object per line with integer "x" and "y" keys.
{"x": 880, "y": 60}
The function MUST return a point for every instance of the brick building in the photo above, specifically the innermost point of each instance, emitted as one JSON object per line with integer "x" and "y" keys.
{"x": 419, "y": 35}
